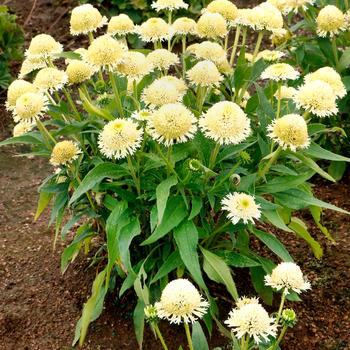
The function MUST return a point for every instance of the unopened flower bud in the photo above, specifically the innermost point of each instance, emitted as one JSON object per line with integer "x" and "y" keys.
{"x": 195, "y": 165}
{"x": 150, "y": 313}
{"x": 289, "y": 317}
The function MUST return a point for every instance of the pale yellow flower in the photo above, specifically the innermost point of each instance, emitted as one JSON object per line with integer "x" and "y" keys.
{"x": 29, "y": 107}
{"x": 120, "y": 25}
{"x": 225, "y": 123}
{"x": 330, "y": 21}
{"x": 185, "y": 26}
{"x": 211, "y": 51}
{"x": 270, "y": 55}
{"x": 212, "y": 26}
{"x": 204, "y": 73}
{"x": 268, "y": 17}
{"x": 154, "y": 29}
{"x": 50, "y": 79}
{"x": 162, "y": 59}
{"x": 86, "y": 19}
{"x": 31, "y": 64}
{"x": 16, "y": 89}
{"x": 328, "y": 75}
{"x": 290, "y": 131}
{"x": 79, "y": 71}
{"x": 43, "y": 46}
{"x": 286, "y": 92}
{"x": 280, "y": 71}
{"x": 172, "y": 123}
{"x": 133, "y": 65}
{"x": 64, "y": 152}
{"x": 169, "y": 5}
{"x": 181, "y": 302}
{"x": 225, "y": 8}
{"x": 105, "y": 52}
{"x": 22, "y": 128}
{"x": 119, "y": 138}
{"x": 241, "y": 206}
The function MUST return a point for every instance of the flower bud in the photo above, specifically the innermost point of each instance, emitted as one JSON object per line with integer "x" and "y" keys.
{"x": 289, "y": 317}
{"x": 150, "y": 313}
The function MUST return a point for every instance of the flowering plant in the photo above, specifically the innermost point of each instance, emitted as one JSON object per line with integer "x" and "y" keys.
{"x": 170, "y": 160}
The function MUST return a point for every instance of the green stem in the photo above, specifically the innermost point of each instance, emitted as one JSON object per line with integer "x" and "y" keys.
{"x": 71, "y": 103}
{"x": 271, "y": 161}
{"x": 86, "y": 90}
{"x": 44, "y": 132}
{"x": 244, "y": 36}
{"x": 283, "y": 299}
{"x": 116, "y": 94}
{"x": 213, "y": 156}
{"x": 209, "y": 240}
{"x": 346, "y": 4}
{"x": 133, "y": 175}
{"x": 235, "y": 43}
{"x": 188, "y": 335}
{"x": 279, "y": 98}
{"x": 160, "y": 337}
{"x": 91, "y": 37}
{"x": 257, "y": 46}
{"x": 170, "y": 167}
{"x": 226, "y": 43}
{"x": 87, "y": 193}
{"x": 335, "y": 52}
{"x": 201, "y": 92}
{"x": 183, "y": 57}
{"x": 134, "y": 84}
{"x": 283, "y": 332}
{"x": 170, "y": 14}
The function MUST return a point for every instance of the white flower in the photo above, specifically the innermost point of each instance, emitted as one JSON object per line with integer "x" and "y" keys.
{"x": 252, "y": 320}
{"x": 181, "y": 302}
{"x": 287, "y": 276}
{"x": 241, "y": 206}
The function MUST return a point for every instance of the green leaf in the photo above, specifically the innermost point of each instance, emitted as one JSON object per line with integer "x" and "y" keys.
{"x": 258, "y": 275}
{"x": 44, "y": 201}
{"x": 273, "y": 243}
{"x": 283, "y": 183}
{"x": 344, "y": 61}
{"x": 218, "y": 271}
{"x": 316, "y": 214}
{"x": 275, "y": 219}
{"x": 170, "y": 264}
{"x": 186, "y": 238}
{"x": 337, "y": 169}
{"x": 316, "y": 151}
{"x": 30, "y": 138}
{"x": 312, "y": 165}
{"x": 96, "y": 175}
{"x": 94, "y": 306}
{"x": 175, "y": 212}
{"x": 197, "y": 205}
{"x": 298, "y": 199}
{"x": 237, "y": 259}
{"x": 162, "y": 194}
{"x": 139, "y": 321}
{"x": 299, "y": 227}
{"x": 199, "y": 339}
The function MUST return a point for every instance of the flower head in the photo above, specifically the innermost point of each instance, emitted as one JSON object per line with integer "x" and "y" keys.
{"x": 162, "y": 59}
{"x": 163, "y": 91}
{"x": 31, "y": 64}
{"x": 185, "y": 26}
{"x": 43, "y": 46}
{"x": 204, "y": 73}
{"x": 316, "y": 97}
{"x": 211, "y": 51}
{"x": 150, "y": 313}
{"x": 287, "y": 276}
{"x": 22, "y": 128}
{"x": 50, "y": 79}
{"x": 328, "y": 75}
{"x": 211, "y": 25}
{"x": 170, "y": 5}
{"x": 252, "y": 320}
{"x": 79, "y": 71}
{"x": 120, "y": 25}
{"x": 86, "y": 19}
{"x": 289, "y": 317}
{"x": 29, "y": 107}
{"x": 133, "y": 65}
{"x": 181, "y": 302}
{"x": 226, "y": 123}
{"x": 142, "y": 115}
{"x": 16, "y": 89}
{"x": 154, "y": 29}
{"x": 64, "y": 153}
{"x": 104, "y": 52}
{"x": 330, "y": 21}
{"x": 286, "y": 92}
{"x": 290, "y": 131}
{"x": 268, "y": 17}
{"x": 246, "y": 301}
{"x": 280, "y": 71}
{"x": 270, "y": 55}
{"x": 246, "y": 17}
{"x": 287, "y": 6}
{"x": 172, "y": 123}
{"x": 241, "y": 206}
{"x": 225, "y": 8}
{"x": 119, "y": 138}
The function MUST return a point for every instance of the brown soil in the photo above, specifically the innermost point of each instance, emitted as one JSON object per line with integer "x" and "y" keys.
{"x": 39, "y": 307}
